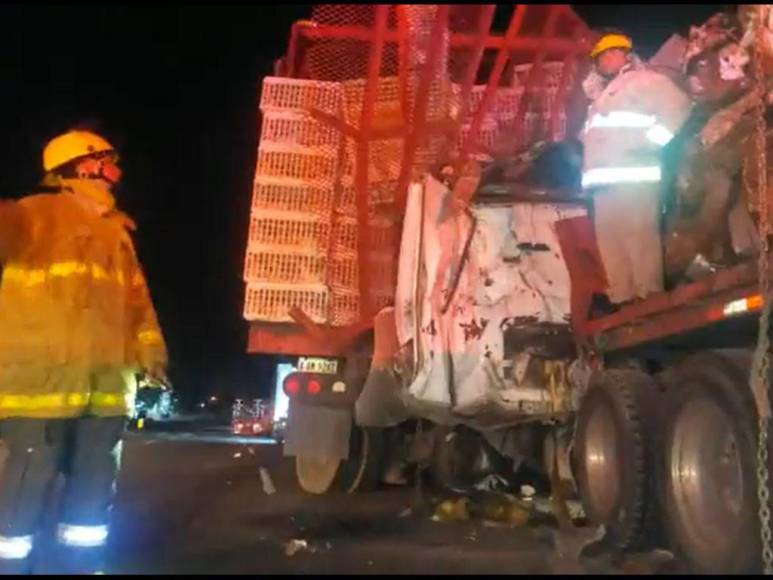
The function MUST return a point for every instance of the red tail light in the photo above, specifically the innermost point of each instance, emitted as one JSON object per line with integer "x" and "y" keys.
{"x": 314, "y": 387}
{"x": 292, "y": 386}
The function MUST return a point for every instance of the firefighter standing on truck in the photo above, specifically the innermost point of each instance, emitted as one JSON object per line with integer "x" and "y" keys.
{"x": 634, "y": 113}
{"x": 76, "y": 325}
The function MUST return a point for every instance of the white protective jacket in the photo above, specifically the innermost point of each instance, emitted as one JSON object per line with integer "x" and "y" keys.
{"x": 627, "y": 126}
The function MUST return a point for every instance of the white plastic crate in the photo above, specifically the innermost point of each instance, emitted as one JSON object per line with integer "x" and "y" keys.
{"x": 298, "y": 94}
{"x": 385, "y": 157}
{"x": 487, "y": 134}
{"x": 306, "y": 232}
{"x": 290, "y": 196}
{"x": 297, "y": 129}
{"x": 344, "y": 272}
{"x": 504, "y": 102}
{"x": 378, "y": 194}
{"x": 552, "y": 70}
{"x": 387, "y": 104}
{"x": 507, "y": 101}
{"x": 346, "y": 307}
{"x": 273, "y": 302}
{"x": 300, "y": 164}
{"x": 268, "y": 266}
{"x": 383, "y": 236}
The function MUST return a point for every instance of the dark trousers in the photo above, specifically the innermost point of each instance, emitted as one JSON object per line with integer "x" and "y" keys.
{"x": 86, "y": 451}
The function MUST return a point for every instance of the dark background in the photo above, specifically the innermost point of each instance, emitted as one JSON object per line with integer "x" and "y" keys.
{"x": 176, "y": 88}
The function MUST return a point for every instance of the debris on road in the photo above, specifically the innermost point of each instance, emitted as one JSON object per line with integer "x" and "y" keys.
{"x": 528, "y": 492}
{"x": 294, "y": 546}
{"x": 506, "y": 510}
{"x": 495, "y": 509}
{"x": 297, "y": 545}
{"x": 237, "y": 455}
{"x": 268, "y": 484}
{"x": 492, "y": 482}
{"x": 452, "y": 510}
{"x": 407, "y": 512}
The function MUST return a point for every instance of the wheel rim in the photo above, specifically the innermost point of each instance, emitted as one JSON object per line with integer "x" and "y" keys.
{"x": 602, "y": 463}
{"x": 316, "y": 474}
{"x": 706, "y": 479}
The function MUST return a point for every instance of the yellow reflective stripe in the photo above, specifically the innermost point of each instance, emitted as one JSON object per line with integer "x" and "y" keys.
{"x": 35, "y": 276}
{"x": 50, "y": 401}
{"x": 107, "y": 400}
{"x": 150, "y": 337}
{"x": 61, "y": 400}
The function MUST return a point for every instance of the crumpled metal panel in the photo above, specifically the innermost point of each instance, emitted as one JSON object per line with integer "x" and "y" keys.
{"x": 461, "y": 351}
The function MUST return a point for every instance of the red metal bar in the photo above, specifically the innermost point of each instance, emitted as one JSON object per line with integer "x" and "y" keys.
{"x": 306, "y": 323}
{"x": 554, "y": 12}
{"x": 402, "y": 130}
{"x": 335, "y": 122}
{"x": 293, "y": 340}
{"x": 664, "y": 324}
{"x": 458, "y": 40}
{"x": 484, "y": 25}
{"x": 298, "y": 29}
{"x": 403, "y": 48}
{"x": 585, "y": 31}
{"x": 567, "y": 70}
{"x": 493, "y": 82}
{"x": 420, "y": 110}
{"x": 741, "y": 275}
{"x": 361, "y": 173}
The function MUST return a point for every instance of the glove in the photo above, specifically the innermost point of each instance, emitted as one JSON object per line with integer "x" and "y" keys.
{"x": 156, "y": 376}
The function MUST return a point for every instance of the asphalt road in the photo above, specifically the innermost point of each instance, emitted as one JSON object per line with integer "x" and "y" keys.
{"x": 194, "y": 503}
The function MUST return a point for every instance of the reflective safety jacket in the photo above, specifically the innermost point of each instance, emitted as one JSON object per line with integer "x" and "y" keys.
{"x": 627, "y": 126}
{"x": 76, "y": 317}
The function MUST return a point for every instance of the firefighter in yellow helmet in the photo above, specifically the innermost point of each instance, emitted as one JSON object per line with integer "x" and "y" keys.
{"x": 634, "y": 114}
{"x": 77, "y": 326}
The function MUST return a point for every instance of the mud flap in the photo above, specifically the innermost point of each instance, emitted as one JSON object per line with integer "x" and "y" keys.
{"x": 319, "y": 432}
{"x": 380, "y": 403}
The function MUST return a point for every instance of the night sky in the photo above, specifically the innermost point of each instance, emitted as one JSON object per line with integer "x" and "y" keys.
{"x": 175, "y": 88}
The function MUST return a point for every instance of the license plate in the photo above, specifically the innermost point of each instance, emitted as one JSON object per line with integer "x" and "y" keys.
{"x": 318, "y": 365}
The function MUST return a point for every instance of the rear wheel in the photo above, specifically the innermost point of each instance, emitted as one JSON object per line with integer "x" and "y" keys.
{"x": 615, "y": 449}
{"x": 361, "y": 471}
{"x": 709, "y": 476}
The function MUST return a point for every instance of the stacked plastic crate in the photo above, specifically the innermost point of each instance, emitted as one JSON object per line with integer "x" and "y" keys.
{"x": 500, "y": 118}
{"x": 384, "y": 165}
{"x": 302, "y": 248}
{"x": 291, "y": 219}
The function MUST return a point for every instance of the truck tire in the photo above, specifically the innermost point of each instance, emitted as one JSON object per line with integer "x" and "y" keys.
{"x": 361, "y": 471}
{"x": 709, "y": 483}
{"x": 615, "y": 453}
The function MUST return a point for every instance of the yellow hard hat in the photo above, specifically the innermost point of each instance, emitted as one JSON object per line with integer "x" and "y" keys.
{"x": 72, "y": 145}
{"x": 608, "y": 41}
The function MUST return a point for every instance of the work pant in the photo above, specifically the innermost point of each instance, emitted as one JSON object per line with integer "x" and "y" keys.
{"x": 86, "y": 451}
{"x": 627, "y": 223}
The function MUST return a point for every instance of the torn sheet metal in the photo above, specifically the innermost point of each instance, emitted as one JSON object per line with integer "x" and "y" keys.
{"x": 460, "y": 350}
